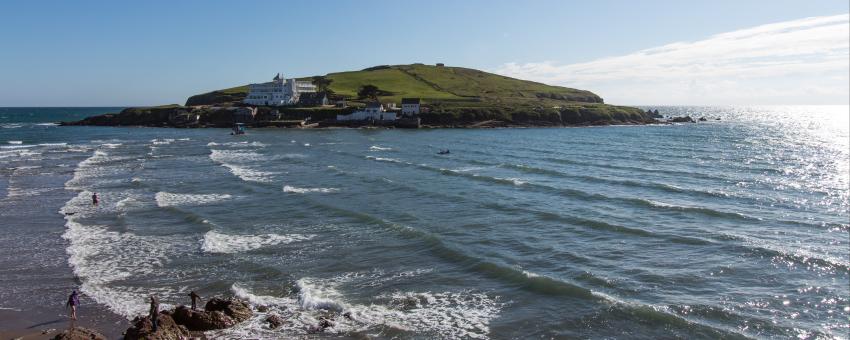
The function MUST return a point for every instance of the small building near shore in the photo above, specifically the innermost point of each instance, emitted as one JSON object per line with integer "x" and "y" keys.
{"x": 410, "y": 106}
{"x": 373, "y": 111}
{"x": 313, "y": 99}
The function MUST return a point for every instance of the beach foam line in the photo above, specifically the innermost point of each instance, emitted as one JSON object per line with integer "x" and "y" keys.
{"x": 16, "y": 142}
{"x": 167, "y": 199}
{"x": 99, "y": 257}
{"x": 446, "y": 315}
{"x": 216, "y": 242}
{"x": 297, "y": 190}
{"x": 249, "y": 175}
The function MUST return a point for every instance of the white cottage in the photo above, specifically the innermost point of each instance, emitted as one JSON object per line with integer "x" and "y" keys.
{"x": 373, "y": 111}
{"x": 410, "y": 106}
{"x": 278, "y": 92}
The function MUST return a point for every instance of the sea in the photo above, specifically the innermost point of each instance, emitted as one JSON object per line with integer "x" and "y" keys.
{"x": 732, "y": 227}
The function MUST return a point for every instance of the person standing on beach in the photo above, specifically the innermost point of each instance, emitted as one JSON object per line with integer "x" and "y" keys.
{"x": 154, "y": 313}
{"x": 94, "y": 198}
{"x": 195, "y": 298}
{"x": 73, "y": 302}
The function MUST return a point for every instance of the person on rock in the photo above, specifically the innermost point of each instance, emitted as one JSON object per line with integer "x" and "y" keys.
{"x": 94, "y": 199}
{"x": 195, "y": 298}
{"x": 73, "y": 302}
{"x": 154, "y": 314}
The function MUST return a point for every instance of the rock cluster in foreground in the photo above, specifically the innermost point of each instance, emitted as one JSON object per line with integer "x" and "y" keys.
{"x": 182, "y": 322}
{"x": 79, "y": 333}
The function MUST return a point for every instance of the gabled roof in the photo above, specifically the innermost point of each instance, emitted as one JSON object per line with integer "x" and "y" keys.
{"x": 410, "y": 101}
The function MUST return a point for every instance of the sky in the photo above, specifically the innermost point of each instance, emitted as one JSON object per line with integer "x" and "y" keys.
{"x": 117, "y": 53}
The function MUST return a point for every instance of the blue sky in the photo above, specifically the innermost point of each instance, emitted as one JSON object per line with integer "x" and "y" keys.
{"x": 101, "y": 53}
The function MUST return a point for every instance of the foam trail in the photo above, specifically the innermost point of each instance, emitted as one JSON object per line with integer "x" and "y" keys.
{"x": 215, "y": 242}
{"x": 297, "y": 190}
{"x": 167, "y": 199}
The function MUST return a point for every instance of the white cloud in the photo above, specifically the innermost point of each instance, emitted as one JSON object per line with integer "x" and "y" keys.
{"x": 805, "y": 61}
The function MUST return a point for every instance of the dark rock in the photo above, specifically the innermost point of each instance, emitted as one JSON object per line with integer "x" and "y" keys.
{"x": 79, "y": 333}
{"x": 236, "y": 309}
{"x": 201, "y": 320}
{"x": 685, "y": 119}
{"x": 167, "y": 330}
{"x": 274, "y": 321}
{"x": 263, "y": 309}
{"x": 702, "y": 119}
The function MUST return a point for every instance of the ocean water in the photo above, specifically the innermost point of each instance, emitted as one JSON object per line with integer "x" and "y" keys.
{"x": 731, "y": 228}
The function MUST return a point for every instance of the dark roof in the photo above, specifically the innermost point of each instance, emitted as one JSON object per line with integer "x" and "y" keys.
{"x": 312, "y": 98}
{"x": 409, "y": 101}
{"x": 373, "y": 105}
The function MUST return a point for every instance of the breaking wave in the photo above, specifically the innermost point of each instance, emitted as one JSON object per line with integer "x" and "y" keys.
{"x": 215, "y": 242}
{"x": 167, "y": 199}
{"x": 297, "y": 190}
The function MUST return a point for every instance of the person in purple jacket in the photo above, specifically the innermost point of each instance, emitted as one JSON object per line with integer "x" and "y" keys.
{"x": 73, "y": 302}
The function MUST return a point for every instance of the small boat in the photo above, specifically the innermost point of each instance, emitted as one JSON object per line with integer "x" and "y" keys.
{"x": 238, "y": 129}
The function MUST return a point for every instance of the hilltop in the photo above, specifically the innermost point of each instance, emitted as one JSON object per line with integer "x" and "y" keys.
{"x": 454, "y": 96}
{"x": 432, "y": 84}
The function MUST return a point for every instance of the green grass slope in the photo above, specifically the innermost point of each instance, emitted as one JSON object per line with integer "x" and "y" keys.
{"x": 464, "y": 95}
{"x": 432, "y": 84}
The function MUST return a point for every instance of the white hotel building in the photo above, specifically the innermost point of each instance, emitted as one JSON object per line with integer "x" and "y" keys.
{"x": 278, "y": 92}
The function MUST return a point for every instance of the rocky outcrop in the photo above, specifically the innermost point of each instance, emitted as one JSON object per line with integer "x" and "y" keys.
{"x": 234, "y": 308}
{"x": 167, "y": 329}
{"x": 173, "y": 324}
{"x": 201, "y": 320}
{"x": 79, "y": 333}
{"x": 685, "y": 119}
{"x": 274, "y": 321}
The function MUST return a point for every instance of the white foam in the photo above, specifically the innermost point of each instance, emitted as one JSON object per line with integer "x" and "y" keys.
{"x": 379, "y": 148}
{"x": 384, "y": 159}
{"x": 16, "y": 146}
{"x": 297, "y": 190}
{"x": 238, "y": 144}
{"x": 47, "y": 124}
{"x": 215, "y": 242}
{"x": 167, "y": 199}
{"x": 17, "y": 142}
{"x": 229, "y": 158}
{"x": 440, "y": 315}
{"x": 53, "y": 144}
{"x": 164, "y": 141}
{"x": 111, "y": 145}
{"x": 99, "y": 257}
{"x": 249, "y": 175}
{"x": 515, "y": 181}
{"x": 306, "y": 144}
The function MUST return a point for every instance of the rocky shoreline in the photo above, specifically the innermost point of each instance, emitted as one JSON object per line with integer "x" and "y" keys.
{"x": 183, "y": 322}
{"x": 177, "y": 116}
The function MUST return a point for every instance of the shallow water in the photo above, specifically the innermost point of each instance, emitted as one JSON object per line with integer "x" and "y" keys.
{"x": 729, "y": 228}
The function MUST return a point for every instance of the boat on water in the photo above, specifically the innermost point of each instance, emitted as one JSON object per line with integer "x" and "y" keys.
{"x": 238, "y": 129}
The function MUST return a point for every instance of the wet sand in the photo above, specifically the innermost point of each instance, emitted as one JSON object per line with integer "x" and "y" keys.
{"x": 49, "y": 321}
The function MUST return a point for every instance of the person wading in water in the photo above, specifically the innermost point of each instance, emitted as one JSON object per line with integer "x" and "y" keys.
{"x": 154, "y": 313}
{"x": 195, "y": 298}
{"x": 73, "y": 302}
{"x": 94, "y": 198}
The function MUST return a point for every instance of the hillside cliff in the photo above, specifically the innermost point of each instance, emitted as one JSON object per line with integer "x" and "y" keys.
{"x": 453, "y": 96}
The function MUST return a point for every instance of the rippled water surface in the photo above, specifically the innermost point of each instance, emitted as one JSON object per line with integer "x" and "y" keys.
{"x": 726, "y": 228}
